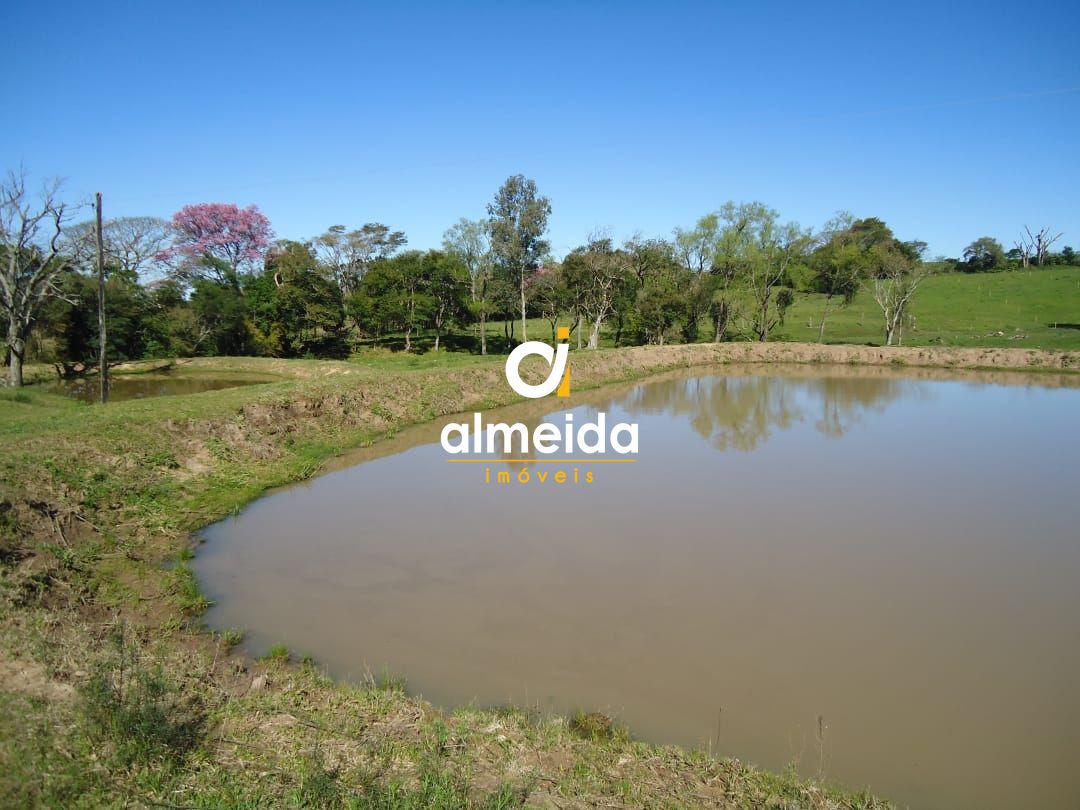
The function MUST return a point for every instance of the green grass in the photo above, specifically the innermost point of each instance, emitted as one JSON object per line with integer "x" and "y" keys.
{"x": 1037, "y": 309}
{"x": 278, "y": 654}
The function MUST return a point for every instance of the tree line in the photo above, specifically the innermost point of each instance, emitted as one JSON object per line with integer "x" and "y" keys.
{"x": 215, "y": 280}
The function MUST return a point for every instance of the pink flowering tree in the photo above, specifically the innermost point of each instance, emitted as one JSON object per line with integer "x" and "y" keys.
{"x": 218, "y": 241}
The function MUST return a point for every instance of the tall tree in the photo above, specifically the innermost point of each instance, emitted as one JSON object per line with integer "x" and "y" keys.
{"x": 518, "y": 221}
{"x": 597, "y": 275}
{"x": 71, "y": 322}
{"x": 1039, "y": 243}
{"x": 697, "y": 250}
{"x": 410, "y": 292}
{"x": 895, "y": 277}
{"x": 131, "y": 244}
{"x": 761, "y": 250}
{"x": 649, "y": 258}
{"x": 985, "y": 253}
{"x": 349, "y": 254}
{"x": 30, "y": 262}
{"x": 551, "y": 297}
{"x": 838, "y": 263}
{"x": 470, "y": 242}
{"x": 218, "y": 241}
{"x": 295, "y": 307}
{"x": 447, "y": 283}
{"x": 697, "y": 247}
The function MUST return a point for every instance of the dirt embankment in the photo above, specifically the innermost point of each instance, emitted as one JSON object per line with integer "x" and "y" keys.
{"x": 961, "y": 358}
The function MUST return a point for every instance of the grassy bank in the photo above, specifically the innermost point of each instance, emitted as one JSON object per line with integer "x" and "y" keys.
{"x": 112, "y": 695}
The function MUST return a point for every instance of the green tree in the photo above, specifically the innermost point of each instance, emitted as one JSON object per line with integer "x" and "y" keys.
{"x": 518, "y": 219}
{"x": 470, "y": 242}
{"x": 448, "y": 283}
{"x": 71, "y": 321}
{"x": 295, "y": 306}
{"x": 599, "y": 279}
{"x": 839, "y": 264}
{"x": 220, "y": 319}
{"x": 984, "y": 254}
{"x": 657, "y": 308}
{"x": 697, "y": 249}
{"x": 760, "y": 251}
{"x": 551, "y": 297}
{"x": 411, "y": 292}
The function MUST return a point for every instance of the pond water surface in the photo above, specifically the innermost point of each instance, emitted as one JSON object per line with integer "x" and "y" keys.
{"x": 138, "y": 386}
{"x": 874, "y": 577}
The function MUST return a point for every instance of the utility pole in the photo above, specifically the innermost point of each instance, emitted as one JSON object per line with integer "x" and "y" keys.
{"x": 103, "y": 360}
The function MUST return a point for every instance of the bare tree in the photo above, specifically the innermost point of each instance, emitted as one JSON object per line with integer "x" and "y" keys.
{"x": 596, "y": 275}
{"x": 30, "y": 260}
{"x": 1040, "y": 243}
{"x": 895, "y": 277}
{"x": 1024, "y": 249}
{"x": 131, "y": 245}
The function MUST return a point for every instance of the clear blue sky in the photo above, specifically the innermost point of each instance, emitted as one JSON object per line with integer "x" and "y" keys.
{"x": 949, "y": 121}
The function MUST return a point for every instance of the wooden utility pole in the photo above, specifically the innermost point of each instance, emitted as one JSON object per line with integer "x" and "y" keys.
{"x": 103, "y": 360}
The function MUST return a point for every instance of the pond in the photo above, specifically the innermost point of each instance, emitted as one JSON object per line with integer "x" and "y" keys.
{"x": 138, "y": 386}
{"x": 872, "y": 576}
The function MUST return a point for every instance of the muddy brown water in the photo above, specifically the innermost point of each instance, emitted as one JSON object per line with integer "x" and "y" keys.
{"x": 874, "y": 577}
{"x": 149, "y": 385}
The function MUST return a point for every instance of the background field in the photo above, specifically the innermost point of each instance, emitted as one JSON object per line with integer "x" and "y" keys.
{"x": 1037, "y": 308}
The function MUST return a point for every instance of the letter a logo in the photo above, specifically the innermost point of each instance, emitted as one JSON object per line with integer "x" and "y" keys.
{"x": 556, "y": 358}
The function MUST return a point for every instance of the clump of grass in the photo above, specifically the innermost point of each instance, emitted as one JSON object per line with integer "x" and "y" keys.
{"x": 15, "y": 395}
{"x": 188, "y": 597}
{"x": 232, "y": 637}
{"x": 162, "y": 458}
{"x": 386, "y": 682}
{"x": 278, "y": 654}
{"x": 133, "y": 712}
{"x": 436, "y": 787}
{"x": 317, "y": 785}
{"x": 592, "y": 725}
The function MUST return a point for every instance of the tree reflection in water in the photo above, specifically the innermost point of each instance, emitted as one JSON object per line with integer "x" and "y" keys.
{"x": 739, "y": 413}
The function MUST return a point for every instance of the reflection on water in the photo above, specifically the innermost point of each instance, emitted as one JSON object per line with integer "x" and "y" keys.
{"x": 149, "y": 385}
{"x": 740, "y": 412}
{"x": 897, "y": 556}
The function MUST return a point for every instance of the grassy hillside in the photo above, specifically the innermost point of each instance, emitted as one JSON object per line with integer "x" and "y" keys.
{"x": 1037, "y": 308}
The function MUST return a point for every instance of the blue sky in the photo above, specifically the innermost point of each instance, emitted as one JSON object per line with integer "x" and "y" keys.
{"x": 949, "y": 123}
